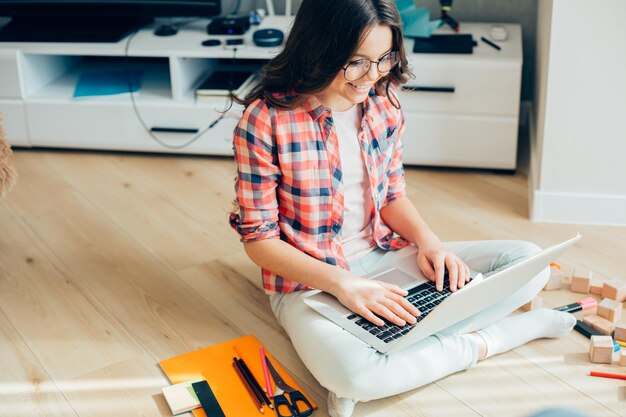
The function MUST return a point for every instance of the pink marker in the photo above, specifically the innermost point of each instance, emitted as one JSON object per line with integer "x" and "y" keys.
{"x": 584, "y": 304}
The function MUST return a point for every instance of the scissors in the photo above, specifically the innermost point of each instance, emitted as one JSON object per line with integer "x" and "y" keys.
{"x": 295, "y": 396}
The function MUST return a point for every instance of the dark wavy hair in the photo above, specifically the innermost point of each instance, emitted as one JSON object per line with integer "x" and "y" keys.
{"x": 324, "y": 36}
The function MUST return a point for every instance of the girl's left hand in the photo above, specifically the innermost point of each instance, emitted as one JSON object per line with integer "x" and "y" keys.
{"x": 433, "y": 259}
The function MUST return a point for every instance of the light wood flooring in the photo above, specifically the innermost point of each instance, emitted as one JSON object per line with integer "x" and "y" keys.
{"x": 111, "y": 262}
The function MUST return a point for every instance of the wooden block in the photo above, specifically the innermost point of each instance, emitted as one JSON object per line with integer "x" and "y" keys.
{"x": 581, "y": 284}
{"x": 601, "y": 349}
{"x": 615, "y": 289}
{"x": 620, "y": 331}
{"x": 622, "y": 357}
{"x": 536, "y": 302}
{"x": 554, "y": 282}
{"x": 596, "y": 285}
{"x": 600, "y": 324}
{"x": 610, "y": 310}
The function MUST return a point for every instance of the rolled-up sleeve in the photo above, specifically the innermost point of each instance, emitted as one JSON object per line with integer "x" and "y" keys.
{"x": 258, "y": 175}
{"x": 396, "y": 181}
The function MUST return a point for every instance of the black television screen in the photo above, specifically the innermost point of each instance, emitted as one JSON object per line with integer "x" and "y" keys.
{"x": 117, "y": 8}
{"x": 91, "y": 20}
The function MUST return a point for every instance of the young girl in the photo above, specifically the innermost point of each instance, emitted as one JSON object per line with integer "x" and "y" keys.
{"x": 321, "y": 196}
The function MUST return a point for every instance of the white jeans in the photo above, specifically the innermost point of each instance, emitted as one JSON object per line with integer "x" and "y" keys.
{"x": 352, "y": 369}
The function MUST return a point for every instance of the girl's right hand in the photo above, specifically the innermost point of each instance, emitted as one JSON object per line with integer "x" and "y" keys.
{"x": 373, "y": 299}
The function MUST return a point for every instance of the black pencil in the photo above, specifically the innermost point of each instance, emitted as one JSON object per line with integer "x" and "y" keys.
{"x": 253, "y": 396}
{"x": 250, "y": 380}
{"x": 488, "y": 42}
{"x": 258, "y": 396}
{"x": 255, "y": 383}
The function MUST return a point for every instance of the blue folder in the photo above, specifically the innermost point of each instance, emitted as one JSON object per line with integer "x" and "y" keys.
{"x": 106, "y": 83}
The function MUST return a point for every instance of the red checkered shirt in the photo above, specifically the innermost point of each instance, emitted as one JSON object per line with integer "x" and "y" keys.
{"x": 289, "y": 181}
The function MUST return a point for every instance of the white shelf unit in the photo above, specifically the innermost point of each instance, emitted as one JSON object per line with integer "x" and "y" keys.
{"x": 38, "y": 82}
{"x": 475, "y": 126}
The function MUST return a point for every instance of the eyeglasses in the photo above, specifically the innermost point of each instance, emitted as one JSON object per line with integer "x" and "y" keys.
{"x": 358, "y": 69}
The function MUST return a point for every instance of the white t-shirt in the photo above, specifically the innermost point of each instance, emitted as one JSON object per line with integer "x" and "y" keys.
{"x": 357, "y": 239}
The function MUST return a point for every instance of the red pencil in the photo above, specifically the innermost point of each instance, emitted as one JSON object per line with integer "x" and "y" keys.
{"x": 607, "y": 375}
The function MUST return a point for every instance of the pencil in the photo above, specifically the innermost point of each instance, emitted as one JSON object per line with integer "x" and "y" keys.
{"x": 607, "y": 375}
{"x": 254, "y": 398}
{"x": 254, "y": 383}
{"x": 255, "y": 387}
{"x": 268, "y": 384}
{"x": 488, "y": 42}
{"x": 619, "y": 342}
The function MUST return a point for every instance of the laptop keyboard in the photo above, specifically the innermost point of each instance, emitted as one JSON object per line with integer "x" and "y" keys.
{"x": 424, "y": 296}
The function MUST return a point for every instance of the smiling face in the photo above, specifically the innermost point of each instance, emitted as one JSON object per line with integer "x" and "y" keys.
{"x": 342, "y": 94}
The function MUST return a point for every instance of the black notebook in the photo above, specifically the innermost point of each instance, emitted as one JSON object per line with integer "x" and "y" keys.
{"x": 222, "y": 82}
{"x": 444, "y": 44}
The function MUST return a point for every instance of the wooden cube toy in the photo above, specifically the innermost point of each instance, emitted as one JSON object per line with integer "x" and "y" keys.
{"x": 615, "y": 289}
{"x": 600, "y": 324}
{"x": 610, "y": 310}
{"x": 580, "y": 284}
{"x": 596, "y": 285}
{"x": 622, "y": 357}
{"x": 556, "y": 277}
{"x": 601, "y": 349}
{"x": 620, "y": 331}
{"x": 533, "y": 304}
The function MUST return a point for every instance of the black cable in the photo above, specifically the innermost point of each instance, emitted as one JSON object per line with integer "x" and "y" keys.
{"x": 143, "y": 123}
{"x": 236, "y": 8}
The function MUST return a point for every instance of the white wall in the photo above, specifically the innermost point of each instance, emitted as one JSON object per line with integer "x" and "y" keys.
{"x": 578, "y": 163}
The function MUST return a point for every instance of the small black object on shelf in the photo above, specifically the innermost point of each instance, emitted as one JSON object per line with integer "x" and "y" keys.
{"x": 445, "y": 44}
{"x": 211, "y": 42}
{"x": 268, "y": 37}
{"x": 166, "y": 30}
{"x": 229, "y": 25}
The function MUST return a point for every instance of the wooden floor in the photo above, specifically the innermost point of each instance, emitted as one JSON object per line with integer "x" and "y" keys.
{"x": 110, "y": 263}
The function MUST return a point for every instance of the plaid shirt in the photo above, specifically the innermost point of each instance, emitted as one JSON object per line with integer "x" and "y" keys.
{"x": 289, "y": 181}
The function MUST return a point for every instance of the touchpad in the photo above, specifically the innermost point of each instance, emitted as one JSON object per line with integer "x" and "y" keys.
{"x": 397, "y": 277}
{"x": 408, "y": 265}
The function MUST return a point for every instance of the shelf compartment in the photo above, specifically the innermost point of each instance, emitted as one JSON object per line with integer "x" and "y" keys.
{"x": 54, "y": 78}
{"x": 188, "y": 73}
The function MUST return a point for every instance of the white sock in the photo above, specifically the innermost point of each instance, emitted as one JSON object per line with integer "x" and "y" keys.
{"x": 340, "y": 407}
{"x": 514, "y": 331}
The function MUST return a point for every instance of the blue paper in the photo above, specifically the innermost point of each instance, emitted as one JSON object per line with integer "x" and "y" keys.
{"x": 416, "y": 20}
{"x": 107, "y": 83}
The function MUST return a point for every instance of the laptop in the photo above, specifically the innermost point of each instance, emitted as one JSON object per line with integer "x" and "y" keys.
{"x": 439, "y": 310}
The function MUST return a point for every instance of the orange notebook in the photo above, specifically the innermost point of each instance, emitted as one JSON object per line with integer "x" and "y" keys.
{"x": 214, "y": 364}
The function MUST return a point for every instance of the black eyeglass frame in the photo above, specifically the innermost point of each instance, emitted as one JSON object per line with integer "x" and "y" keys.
{"x": 345, "y": 69}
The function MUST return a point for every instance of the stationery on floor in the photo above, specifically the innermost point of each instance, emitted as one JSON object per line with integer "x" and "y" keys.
{"x": 251, "y": 383}
{"x": 607, "y": 375}
{"x": 181, "y": 398}
{"x": 253, "y": 395}
{"x": 225, "y": 367}
{"x": 205, "y": 394}
{"x": 296, "y": 405}
{"x": 268, "y": 384}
